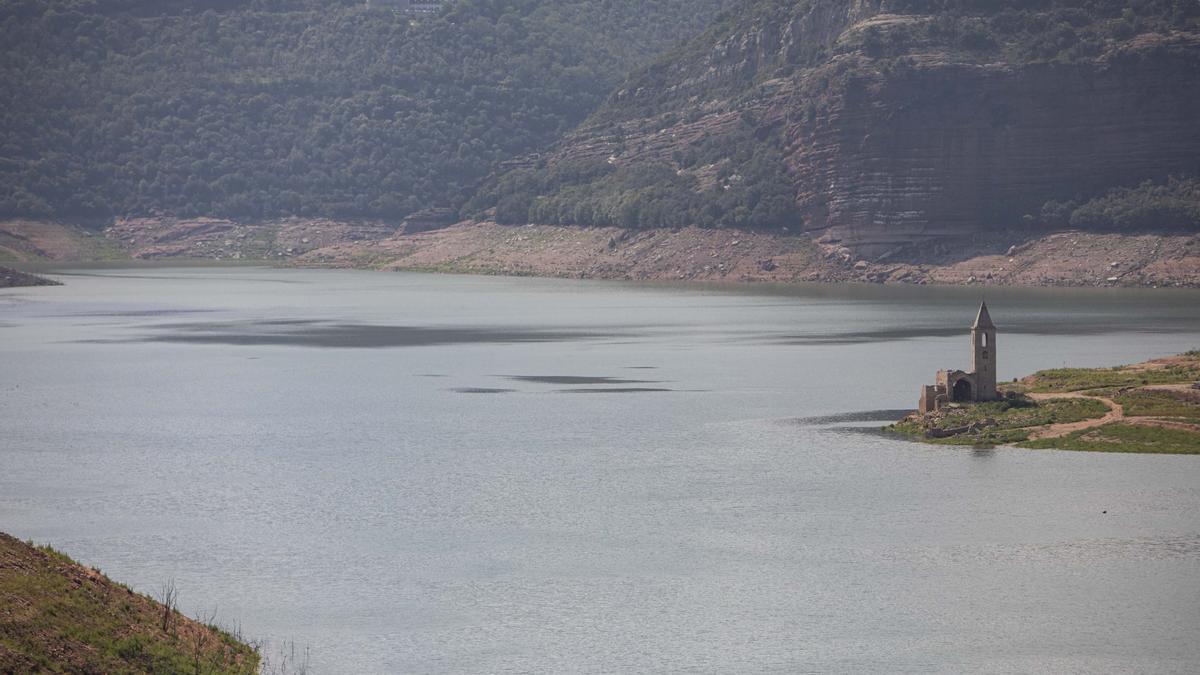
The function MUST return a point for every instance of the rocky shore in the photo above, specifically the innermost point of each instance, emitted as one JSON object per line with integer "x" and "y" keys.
{"x": 10, "y": 278}
{"x": 1004, "y": 259}
{"x": 1012, "y": 258}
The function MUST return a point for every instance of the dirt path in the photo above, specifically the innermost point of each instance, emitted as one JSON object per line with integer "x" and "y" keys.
{"x": 1115, "y": 413}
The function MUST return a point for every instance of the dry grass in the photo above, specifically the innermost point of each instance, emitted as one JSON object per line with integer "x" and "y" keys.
{"x": 58, "y": 616}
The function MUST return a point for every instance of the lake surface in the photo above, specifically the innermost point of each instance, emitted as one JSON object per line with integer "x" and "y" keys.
{"x": 416, "y": 473}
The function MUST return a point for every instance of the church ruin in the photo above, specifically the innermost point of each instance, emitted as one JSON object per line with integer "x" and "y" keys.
{"x": 956, "y": 386}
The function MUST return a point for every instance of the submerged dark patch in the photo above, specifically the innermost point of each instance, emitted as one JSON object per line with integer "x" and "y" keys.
{"x": 858, "y": 416}
{"x": 134, "y": 313}
{"x": 613, "y": 390}
{"x": 893, "y": 334}
{"x": 863, "y": 430}
{"x": 575, "y": 379}
{"x": 302, "y": 333}
{"x": 858, "y": 337}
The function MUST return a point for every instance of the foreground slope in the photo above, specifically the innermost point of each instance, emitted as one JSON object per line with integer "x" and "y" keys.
{"x": 883, "y": 125}
{"x": 58, "y": 616}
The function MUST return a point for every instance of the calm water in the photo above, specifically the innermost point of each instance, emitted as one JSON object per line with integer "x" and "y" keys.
{"x": 413, "y": 473}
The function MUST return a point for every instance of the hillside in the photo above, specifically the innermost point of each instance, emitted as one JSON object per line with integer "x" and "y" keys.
{"x": 884, "y": 127}
{"x": 317, "y": 108}
{"x": 58, "y": 616}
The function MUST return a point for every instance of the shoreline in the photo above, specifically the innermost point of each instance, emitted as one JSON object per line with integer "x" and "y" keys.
{"x": 687, "y": 255}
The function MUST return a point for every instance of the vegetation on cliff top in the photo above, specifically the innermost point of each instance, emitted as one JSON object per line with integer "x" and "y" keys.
{"x": 1030, "y": 31}
{"x": 724, "y": 181}
{"x": 297, "y": 107}
{"x": 1173, "y": 205}
{"x": 58, "y": 616}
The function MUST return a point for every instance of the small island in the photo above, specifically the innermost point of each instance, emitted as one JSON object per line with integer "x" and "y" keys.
{"x": 1150, "y": 407}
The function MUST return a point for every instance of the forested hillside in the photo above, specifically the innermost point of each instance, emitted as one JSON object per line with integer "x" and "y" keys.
{"x": 260, "y": 108}
{"x": 882, "y": 124}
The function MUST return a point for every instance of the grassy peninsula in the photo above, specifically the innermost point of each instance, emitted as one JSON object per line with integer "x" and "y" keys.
{"x": 59, "y": 616}
{"x": 1150, "y": 407}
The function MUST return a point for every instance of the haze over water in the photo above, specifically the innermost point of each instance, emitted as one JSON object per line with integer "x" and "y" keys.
{"x": 414, "y": 473}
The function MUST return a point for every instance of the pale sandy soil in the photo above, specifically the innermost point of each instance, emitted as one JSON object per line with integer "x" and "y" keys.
{"x": 603, "y": 253}
{"x": 1066, "y": 258}
{"x": 29, "y": 240}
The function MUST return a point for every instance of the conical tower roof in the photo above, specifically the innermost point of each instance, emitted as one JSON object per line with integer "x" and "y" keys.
{"x": 983, "y": 319}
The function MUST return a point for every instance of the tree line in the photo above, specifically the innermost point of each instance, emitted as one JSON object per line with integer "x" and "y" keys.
{"x": 262, "y": 108}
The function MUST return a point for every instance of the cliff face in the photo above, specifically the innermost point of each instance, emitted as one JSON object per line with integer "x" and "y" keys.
{"x": 895, "y": 126}
{"x": 945, "y": 148}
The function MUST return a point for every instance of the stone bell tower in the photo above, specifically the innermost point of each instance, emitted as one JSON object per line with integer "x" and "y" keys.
{"x": 983, "y": 361}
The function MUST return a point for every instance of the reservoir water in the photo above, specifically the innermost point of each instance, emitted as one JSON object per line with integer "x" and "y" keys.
{"x": 411, "y": 473}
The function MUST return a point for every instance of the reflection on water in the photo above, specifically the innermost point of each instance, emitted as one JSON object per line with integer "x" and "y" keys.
{"x": 575, "y": 379}
{"x": 303, "y": 333}
{"x": 889, "y": 416}
{"x": 134, "y": 313}
{"x": 437, "y": 507}
{"x": 612, "y": 390}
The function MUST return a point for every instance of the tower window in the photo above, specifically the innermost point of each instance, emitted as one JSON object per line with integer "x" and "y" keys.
{"x": 985, "y": 355}
{"x": 985, "y": 343}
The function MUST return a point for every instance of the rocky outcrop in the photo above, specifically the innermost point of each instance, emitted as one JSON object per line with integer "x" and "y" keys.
{"x": 942, "y": 149}
{"x": 899, "y": 128}
{"x": 10, "y": 278}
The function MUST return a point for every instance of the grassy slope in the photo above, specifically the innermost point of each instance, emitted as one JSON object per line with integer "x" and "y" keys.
{"x": 1120, "y": 437}
{"x": 1103, "y": 381}
{"x": 58, "y": 616}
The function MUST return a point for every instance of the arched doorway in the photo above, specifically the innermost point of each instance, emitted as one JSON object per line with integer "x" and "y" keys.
{"x": 962, "y": 391}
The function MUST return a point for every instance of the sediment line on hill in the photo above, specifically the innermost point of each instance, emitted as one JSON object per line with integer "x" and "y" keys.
{"x": 1005, "y": 258}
